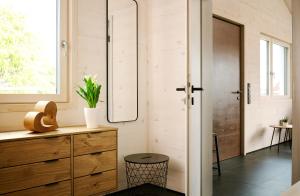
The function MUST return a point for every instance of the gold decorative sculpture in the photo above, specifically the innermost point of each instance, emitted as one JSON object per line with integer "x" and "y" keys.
{"x": 43, "y": 118}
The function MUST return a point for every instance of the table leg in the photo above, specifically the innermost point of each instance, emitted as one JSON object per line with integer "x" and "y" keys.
{"x": 279, "y": 139}
{"x": 272, "y": 138}
{"x": 290, "y": 138}
{"x": 286, "y": 135}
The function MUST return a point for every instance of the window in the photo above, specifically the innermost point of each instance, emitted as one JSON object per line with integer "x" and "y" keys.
{"x": 264, "y": 67}
{"x": 33, "y": 50}
{"x": 274, "y": 67}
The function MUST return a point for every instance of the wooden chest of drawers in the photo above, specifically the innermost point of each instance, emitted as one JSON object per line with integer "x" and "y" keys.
{"x": 69, "y": 161}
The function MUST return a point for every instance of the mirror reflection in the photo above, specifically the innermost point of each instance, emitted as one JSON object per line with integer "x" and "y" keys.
{"x": 122, "y": 60}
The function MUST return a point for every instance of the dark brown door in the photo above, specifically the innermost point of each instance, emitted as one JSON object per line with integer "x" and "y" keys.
{"x": 226, "y": 87}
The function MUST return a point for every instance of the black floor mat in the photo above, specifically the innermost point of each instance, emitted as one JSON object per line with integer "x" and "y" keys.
{"x": 146, "y": 190}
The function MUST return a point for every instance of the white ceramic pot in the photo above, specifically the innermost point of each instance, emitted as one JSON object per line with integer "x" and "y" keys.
{"x": 285, "y": 124}
{"x": 91, "y": 116}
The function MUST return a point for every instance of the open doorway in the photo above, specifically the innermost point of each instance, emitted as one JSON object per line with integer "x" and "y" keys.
{"x": 252, "y": 94}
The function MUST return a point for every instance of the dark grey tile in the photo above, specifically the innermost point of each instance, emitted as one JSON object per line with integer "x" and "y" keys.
{"x": 262, "y": 173}
{"x": 146, "y": 190}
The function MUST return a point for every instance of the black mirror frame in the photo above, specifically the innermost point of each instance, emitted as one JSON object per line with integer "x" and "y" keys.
{"x": 137, "y": 68}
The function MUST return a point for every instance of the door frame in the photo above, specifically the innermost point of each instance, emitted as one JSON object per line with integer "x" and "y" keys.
{"x": 243, "y": 88}
{"x": 199, "y": 148}
{"x": 202, "y": 16}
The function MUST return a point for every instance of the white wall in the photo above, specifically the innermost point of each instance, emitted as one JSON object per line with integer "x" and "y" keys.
{"x": 90, "y": 58}
{"x": 273, "y": 18}
{"x": 167, "y": 71}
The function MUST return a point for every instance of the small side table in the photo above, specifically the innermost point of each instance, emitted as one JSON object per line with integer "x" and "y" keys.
{"x": 146, "y": 168}
{"x": 288, "y": 134}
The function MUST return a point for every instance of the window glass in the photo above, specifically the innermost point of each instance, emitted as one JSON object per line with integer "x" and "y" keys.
{"x": 279, "y": 72}
{"x": 28, "y": 46}
{"x": 274, "y": 68}
{"x": 264, "y": 67}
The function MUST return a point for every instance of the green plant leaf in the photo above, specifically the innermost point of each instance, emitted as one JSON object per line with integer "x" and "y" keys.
{"x": 90, "y": 92}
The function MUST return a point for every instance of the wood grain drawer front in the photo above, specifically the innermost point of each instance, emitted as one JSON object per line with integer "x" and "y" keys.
{"x": 57, "y": 189}
{"x": 94, "y": 163}
{"x": 93, "y": 184}
{"x": 95, "y": 142}
{"x": 35, "y": 150}
{"x": 33, "y": 175}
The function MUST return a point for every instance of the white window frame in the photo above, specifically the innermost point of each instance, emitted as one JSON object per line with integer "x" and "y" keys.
{"x": 272, "y": 41}
{"x": 62, "y": 80}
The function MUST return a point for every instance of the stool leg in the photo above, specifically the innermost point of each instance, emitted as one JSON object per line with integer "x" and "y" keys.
{"x": 279, "y": 140}
{"x": 272, "y": 138}
{"x": 218, "y": 156}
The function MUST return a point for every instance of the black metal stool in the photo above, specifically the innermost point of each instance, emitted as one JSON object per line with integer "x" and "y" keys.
{"x": 146, "y": 168}
{"x": 217, "y": 153}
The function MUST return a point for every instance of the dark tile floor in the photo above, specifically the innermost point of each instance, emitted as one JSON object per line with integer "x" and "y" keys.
{"x": 146, "y": 190}
{"x": 261, "y": 173}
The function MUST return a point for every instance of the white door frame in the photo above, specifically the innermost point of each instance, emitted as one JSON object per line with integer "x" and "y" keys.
{"x": 296, "y": 93}
{"x": 199, "y": 179}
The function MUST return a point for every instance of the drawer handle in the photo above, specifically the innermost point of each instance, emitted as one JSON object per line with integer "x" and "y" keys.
{"x": 96, "y": 132}
{"x": 51, "y": 161}
{"x": 95, "y": 174}
{"x": 95, "y": 153}
{"x": 52, "y": 184}
{"x": 52, "y": 137}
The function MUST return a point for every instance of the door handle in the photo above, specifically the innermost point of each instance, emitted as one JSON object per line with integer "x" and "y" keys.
{"x": 196, "y": 89}
{"x": 180, "y": 89}
{"x": 236, "y": 92}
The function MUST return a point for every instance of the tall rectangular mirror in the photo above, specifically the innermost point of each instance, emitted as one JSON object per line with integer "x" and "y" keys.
{"x": 122, "y": 60}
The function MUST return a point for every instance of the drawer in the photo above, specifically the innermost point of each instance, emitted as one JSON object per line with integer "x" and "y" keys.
{"x": 35, "y": 150}
{"x": 57, "y": 189}
{"x": 96, "y": 183}
{"x": 94, "y": 163}
{"x": 95, "y": 142}
{"x": 33, "y": 175}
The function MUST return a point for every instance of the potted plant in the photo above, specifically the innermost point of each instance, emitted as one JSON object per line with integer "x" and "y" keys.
{"x": 284, "y": 121}
{"x": 90, "y": 93}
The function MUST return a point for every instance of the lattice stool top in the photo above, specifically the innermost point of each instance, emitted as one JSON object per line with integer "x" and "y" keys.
{"x": 146, "y": 158}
